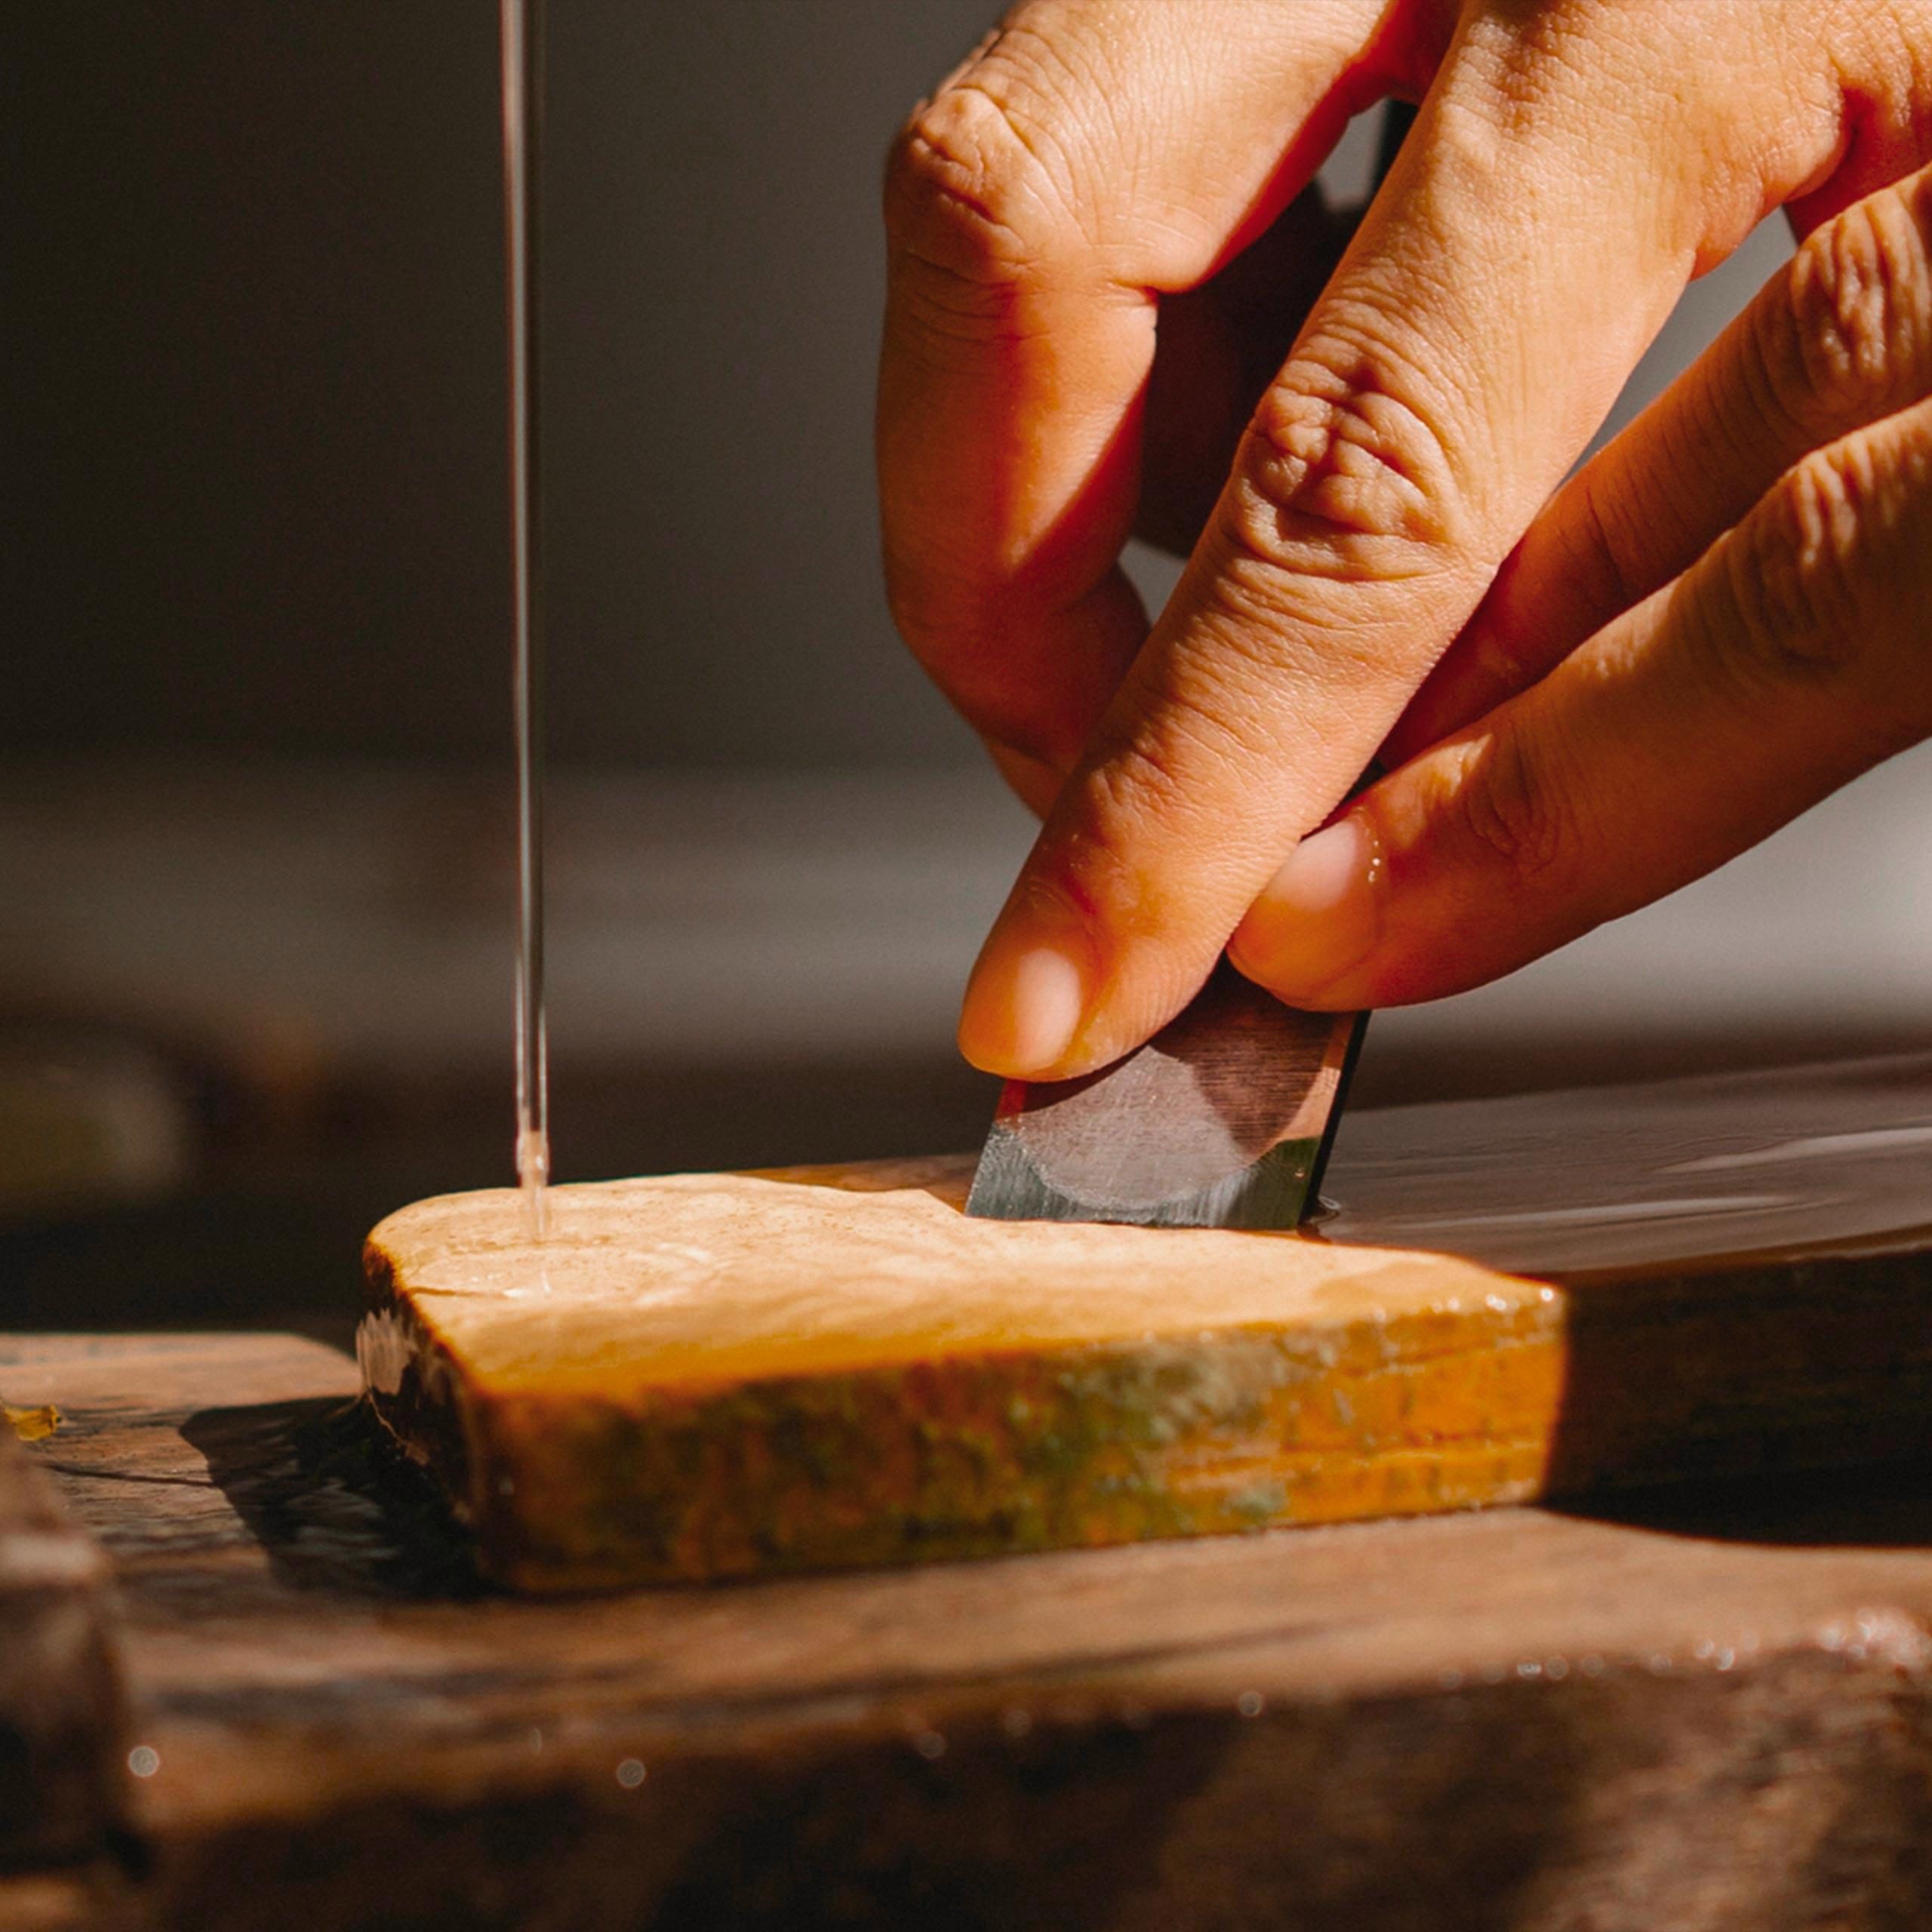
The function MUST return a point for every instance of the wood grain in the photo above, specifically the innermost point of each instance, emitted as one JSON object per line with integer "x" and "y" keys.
{"x": 1710, "y": 1712}
{"x": 60, "y": 1706}
{"x": 710, "y": 1375}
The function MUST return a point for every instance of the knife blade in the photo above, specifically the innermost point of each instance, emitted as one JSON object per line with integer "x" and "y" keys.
{"x": 1223, "y": 1119}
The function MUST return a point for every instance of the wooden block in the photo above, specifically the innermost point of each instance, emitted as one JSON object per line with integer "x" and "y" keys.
{"x": 712, "y": 1375}
{"x": 61, "y": 1716}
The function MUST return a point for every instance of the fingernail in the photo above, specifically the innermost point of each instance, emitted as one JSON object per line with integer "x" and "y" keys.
{"x": 1029, "y": 992}
{"x": 1321, "y": 914}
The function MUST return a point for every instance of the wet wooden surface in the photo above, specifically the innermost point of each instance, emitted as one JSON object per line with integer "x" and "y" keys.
{"x": 1708, "y": 1709}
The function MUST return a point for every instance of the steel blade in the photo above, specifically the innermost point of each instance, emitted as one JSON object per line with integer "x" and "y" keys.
{"x": 1223, "y": 1120}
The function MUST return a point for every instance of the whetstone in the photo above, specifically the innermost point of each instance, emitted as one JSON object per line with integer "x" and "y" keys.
{"x": 710, "y": 1375}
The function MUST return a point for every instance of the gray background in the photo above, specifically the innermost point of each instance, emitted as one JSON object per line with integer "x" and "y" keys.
{"x": 257, "y": 353}
{"x": 255, "y": 356}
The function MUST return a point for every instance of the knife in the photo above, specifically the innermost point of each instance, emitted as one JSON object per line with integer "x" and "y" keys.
{"x": 1223, "y": 1119}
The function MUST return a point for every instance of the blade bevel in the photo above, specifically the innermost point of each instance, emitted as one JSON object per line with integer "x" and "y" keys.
{"x": 1223, "y": 1119}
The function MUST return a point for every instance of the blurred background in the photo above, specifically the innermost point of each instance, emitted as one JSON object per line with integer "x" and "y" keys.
{"x": 256, "y": 865}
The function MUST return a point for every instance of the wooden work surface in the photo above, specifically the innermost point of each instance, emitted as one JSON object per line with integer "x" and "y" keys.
{"x": 1709, "y": 1711}
{"x": 1704, "y": 1707}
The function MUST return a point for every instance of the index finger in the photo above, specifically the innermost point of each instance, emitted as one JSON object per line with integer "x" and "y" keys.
{"x": 1521, "y": 255}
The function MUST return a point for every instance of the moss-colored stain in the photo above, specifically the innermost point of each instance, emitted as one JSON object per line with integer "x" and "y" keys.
{"x": 972, "y": 1456}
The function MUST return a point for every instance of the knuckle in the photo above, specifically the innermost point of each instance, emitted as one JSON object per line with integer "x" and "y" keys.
{"x": 928, "y": 607}
{"x": 1169, "y": 772}
{"x": 1118, "y": 797}
{"x": 1797, "y": 578}
{"x": 1344, "y": 477}
{"x": 970, "y": 196}
{"x": 1139, "y": 779}
{"x": 960, "y": 634}
{"x": 1510, "y": 805}
{"x": 1607, "y": 566}
{"x": 1855, "y": 327}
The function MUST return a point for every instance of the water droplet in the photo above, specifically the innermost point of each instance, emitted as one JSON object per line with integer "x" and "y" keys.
{"x": 930, "y": 1745}
{"x": 144, "y": 1761}
{"x": 630, "y": 1773}
{"x": 1249, "y": 1703}
{"x": 1015, "y": 1722}
{"x": 1591, "y": 1666}
{"x": 536, "y": 1739}
{"x": 1557, "y": 1669}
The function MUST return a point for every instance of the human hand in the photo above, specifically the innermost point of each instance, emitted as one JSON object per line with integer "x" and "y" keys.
{"x": 1599, "y": 694}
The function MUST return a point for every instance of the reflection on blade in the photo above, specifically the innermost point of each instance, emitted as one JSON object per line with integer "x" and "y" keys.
{"x": 1223, "y": 1120}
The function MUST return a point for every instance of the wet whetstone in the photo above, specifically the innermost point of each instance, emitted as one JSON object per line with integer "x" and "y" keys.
{"x": 730, "y": 1374}
{"x": 709, "y": 1375}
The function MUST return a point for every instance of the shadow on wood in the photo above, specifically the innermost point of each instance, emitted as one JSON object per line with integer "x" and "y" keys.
{"x": 1799, "y": 1509}
{"x": 332, "y": 1505}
